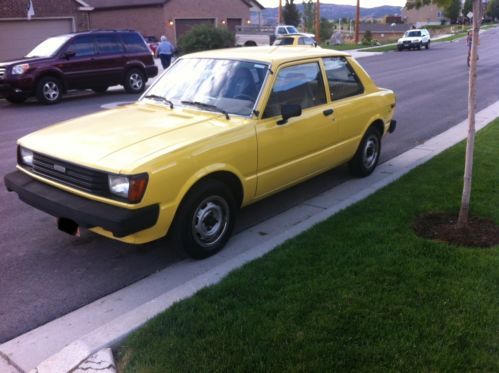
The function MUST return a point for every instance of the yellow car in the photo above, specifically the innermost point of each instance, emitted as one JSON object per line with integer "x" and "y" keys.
{"x": 217, "y": 131}
{"x": 297, "y": 40}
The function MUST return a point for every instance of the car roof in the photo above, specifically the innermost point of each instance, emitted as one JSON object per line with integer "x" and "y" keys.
{"x": 271, "y": 54}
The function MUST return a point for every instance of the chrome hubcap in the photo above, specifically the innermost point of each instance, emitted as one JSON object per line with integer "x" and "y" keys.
{"x": 210, "y": 221}
{"x": 51, "y": 91}
{"x": 136, "y": 81}
{"x": 370, "y": 154}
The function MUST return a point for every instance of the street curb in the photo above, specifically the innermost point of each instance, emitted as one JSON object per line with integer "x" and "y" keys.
{"x": 339, "y": 198}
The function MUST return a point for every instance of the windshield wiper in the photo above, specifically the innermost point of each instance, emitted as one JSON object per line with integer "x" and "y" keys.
{"x": 206, "y": 106}
{"x": 160, "y": 98}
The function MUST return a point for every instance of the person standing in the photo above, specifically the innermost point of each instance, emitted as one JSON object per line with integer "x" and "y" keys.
{"x": 165, "y": 51}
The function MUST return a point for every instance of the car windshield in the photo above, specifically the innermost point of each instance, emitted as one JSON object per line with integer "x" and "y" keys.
{"x": 226, "y": 86}
{"x": 413, "y": 33}
{"x": 292, "y": 30}
{"x": 49, "y": 47}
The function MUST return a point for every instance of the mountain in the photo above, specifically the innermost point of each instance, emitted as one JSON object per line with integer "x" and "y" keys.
{"x": 334, "y": 11}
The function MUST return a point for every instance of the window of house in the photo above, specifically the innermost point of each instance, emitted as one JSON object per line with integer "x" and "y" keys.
{"x": 342, "y": 80}
{"x": 299, "y": 84}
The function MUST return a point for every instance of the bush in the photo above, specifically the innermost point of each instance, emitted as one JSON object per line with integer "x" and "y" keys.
{"x": 203, "y": 37}
{"x": 368, "y": 37}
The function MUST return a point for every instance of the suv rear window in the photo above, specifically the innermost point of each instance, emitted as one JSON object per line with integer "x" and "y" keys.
{"x": 134, "y": 43}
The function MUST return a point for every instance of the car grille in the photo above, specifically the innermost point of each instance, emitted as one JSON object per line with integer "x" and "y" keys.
{"x": 82, "y": 178}
{"x": 2, "y": 73}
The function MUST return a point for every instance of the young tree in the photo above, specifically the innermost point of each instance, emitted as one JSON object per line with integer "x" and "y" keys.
{"x": 325, "y": 29}
{"x": 308, "y": 15}
{"x": 463, "y": 217}
{"x": 451, "y": 11}
{"x": 290, "y": 13}
{"x": 493, "y": 8}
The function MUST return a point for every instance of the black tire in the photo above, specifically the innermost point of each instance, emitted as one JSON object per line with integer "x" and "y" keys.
{"x": 427, "y": 46}
{"x": 135, "y": 81}
{"x": 100, "y": 89}
{"x": 49, "y": 90}
{"x": 16, "y": 98}
{"x": 366, "y": 158}
{"x": 400, "y": 49}
{"x": 205, "y": 219}
{"x": 419, "y": 46}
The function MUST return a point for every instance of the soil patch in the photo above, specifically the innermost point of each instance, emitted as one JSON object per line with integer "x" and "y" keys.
{"x": 480, "y": 232}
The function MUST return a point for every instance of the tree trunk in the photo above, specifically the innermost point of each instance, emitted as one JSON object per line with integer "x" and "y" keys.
{"x": 470, "y": 143}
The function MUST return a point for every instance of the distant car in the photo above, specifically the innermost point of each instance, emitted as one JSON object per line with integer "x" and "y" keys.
{"x": 84, "y": 60}
{"x": 152, "y": 43}
{"x": 295, "y": 41}
{"x": 415, "y": 38}
{"x": 217, "y": 131}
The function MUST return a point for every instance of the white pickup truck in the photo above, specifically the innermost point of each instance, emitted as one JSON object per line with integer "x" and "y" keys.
{"x": 251, "y": 36}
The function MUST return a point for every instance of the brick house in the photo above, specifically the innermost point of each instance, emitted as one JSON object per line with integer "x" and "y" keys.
{"x": 426, "y": 15}
{"x": 172, "y": 18}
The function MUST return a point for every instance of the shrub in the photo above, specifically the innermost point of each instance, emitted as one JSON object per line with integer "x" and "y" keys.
{"x": 203, "y": 37}
{"x": 368, "y": 37}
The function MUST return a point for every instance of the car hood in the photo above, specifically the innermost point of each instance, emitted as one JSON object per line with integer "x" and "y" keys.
{"x": 122, "y": 139}
{"x": 18, "y": 61}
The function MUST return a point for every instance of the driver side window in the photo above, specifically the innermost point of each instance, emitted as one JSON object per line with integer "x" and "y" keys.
{"x": 299, "y": 84}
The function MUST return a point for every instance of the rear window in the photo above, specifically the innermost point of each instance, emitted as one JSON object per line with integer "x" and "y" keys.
{"x": 134, "y": 43}
{"x": 284, "y": 41}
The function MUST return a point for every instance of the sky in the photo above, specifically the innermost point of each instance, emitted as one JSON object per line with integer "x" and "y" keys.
{"x": 363, "y": 3}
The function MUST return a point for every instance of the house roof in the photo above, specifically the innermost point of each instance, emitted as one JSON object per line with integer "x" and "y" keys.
{"x": 106, "y": 4}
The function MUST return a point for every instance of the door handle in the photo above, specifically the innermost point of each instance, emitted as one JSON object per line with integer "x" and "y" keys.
{"x": 328, "y": 112}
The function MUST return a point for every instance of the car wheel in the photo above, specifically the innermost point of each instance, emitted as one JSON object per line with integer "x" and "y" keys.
{"x": 427, "y": 46}
{"x": 49, "y": 90}
{"x": 135, "y": 81}
{"x": 100, "y": 89}
{"x": 16, "y": 98}
{"x": 205, "y": 219}
{"x": 400, "y": 49}
{"x": 419, "y": 46}
{"x": 366, "y": 158}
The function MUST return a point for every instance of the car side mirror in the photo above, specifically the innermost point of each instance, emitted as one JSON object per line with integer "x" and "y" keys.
{"x": 289, "y": 111}
{"x": 69, "y": 54}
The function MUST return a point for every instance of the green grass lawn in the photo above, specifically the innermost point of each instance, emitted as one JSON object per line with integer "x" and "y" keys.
{"x": 359, "y": 291}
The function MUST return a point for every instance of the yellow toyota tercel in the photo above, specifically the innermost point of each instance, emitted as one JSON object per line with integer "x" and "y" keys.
{"x": 217, "y": 131}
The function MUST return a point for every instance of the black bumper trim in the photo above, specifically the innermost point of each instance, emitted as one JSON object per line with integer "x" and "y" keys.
{"x": 393, "y": 126}
{"x": 87, "y": 213}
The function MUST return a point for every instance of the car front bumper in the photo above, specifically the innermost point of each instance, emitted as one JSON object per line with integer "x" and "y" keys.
{"x": 84, "y": 212}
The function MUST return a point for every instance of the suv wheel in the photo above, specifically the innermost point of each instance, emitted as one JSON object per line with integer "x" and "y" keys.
{"x": 205, "y": 219}
{"x": 49, "y": 90}
{"x": 366, "y": 158}
{"x": 427, "y": 46}
{"x": 135, "y": 81}
{"x": 419, "y": 46}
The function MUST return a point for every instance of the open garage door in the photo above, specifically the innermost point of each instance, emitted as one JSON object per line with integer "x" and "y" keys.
{"x": 18, "y": 37}
{"x": 183, "y": 25}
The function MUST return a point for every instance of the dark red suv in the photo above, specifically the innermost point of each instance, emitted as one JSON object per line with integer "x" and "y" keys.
{"x": 94, "y": 59}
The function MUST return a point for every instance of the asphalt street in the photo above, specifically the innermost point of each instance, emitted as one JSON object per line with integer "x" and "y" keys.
{"x": 45, "y": 274}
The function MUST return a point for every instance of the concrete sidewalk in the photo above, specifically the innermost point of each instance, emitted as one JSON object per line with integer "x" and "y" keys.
{"x": 67, "y": 343}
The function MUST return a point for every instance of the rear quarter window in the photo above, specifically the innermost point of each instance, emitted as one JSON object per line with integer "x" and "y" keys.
{"x": 134, "y": 43}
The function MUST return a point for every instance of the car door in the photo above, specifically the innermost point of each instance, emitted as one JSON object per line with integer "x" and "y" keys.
{"x": 78, "y": 61}
{"x": 304, "y": 145}
{"x": 352, "y": 110}
{"x": 109, "y": 59}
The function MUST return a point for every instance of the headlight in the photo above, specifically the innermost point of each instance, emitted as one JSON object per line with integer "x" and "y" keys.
{"x": 25, "y": 156}
{"x": 20, "y": 69}
{"x": 131, "y": 188}
{"x": 399, "y": 41}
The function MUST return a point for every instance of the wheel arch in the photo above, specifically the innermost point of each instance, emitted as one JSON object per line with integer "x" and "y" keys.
{"x": 51, "y": 73}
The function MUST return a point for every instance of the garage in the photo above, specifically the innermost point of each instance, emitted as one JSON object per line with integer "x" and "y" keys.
{"x": 184, "y": 25}
{"x": 18, "y": 37}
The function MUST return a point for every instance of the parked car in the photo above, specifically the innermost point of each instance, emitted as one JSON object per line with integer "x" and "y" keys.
{"x": 251, "y": 36}
{"x": 152, "y": 43}
{"x": 217, "y": 131}
{"x": 296, "y": 41}
{"x": 85, "y": 60}
{"x": 415, "y": 38}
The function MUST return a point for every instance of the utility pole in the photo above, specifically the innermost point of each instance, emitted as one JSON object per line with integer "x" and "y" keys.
{"x": 279, "y": 17}
{"x": 318, "y": 21}
{"x": 357, "y": 23}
